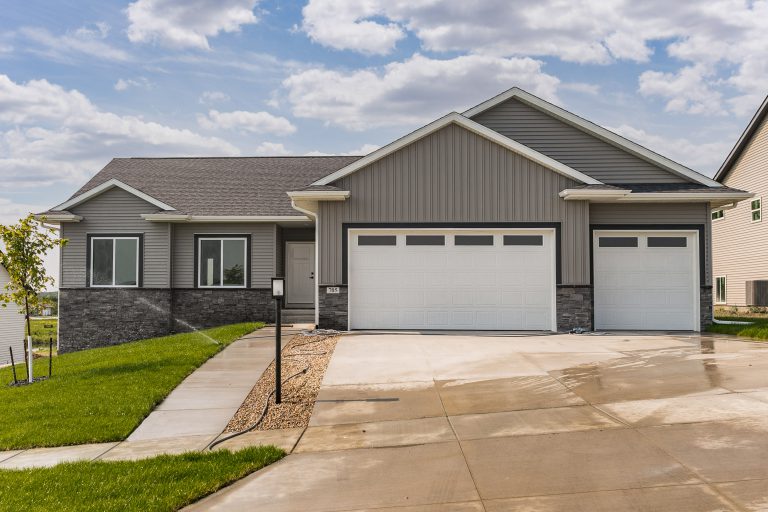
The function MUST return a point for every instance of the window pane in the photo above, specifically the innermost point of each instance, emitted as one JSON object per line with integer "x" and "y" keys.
{"x": 101, "y": 262}
{"x": 210, "y": 262}
{"x": 377, "y": 240}
{"x": 756, "y": 204}
{"x": 473, "y": 239}
{"x": 523, "y": 240}
{"x": 125, "y": 262}
{"x": 756, "y": 215}
{"x": 234, "y": 262}
{"x": 424, "y": 240}
{"x": 667, "y": 241}
{"x": 618, "y": 241}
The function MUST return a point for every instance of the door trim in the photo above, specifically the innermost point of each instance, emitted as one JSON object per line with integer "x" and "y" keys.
{"x": 288, "y": 302}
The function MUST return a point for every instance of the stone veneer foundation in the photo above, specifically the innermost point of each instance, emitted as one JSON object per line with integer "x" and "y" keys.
{"x": 574, "y": 307}
{"x": 334, "y": 308}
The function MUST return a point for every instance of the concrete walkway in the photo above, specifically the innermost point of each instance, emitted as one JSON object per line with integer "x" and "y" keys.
{"x": 193, "y": 414}
{"x": 460, "y": 423}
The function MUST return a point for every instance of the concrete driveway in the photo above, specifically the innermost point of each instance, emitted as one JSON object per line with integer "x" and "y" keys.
{"x": 469, "y": 422}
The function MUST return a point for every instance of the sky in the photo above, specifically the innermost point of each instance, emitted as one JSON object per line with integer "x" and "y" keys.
{"x": 85, "y": 81}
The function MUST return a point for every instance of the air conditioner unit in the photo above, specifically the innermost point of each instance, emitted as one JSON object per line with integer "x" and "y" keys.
{"x": 757, "y": 293}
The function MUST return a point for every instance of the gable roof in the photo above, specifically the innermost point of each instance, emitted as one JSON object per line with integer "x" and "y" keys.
{"x": 239, "y": 186}
{"x": 460, "y": 120}
{"x": 741, "y": 144}
{"x": 594, "y": 130}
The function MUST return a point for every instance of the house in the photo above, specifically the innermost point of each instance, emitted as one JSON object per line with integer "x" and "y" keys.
{"x": 515, "y": 214}
{"x": 740, "y": 234}
{"x": 11, "y": 327}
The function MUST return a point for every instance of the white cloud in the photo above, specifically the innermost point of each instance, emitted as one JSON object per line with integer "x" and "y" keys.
{"x": 411, "y": 92}
{"x": 52, "y": 135}
{"x": 689, "y": 90}
{"x": 704, "y": 157}
{"x": 125, "y": 84}
{"x": 87, "y": 40}
{"x": 361, "y": 151}
{"x": 254, "y": 122}
{"x": 209, "y": 97}
{"x": 270, "y": 149}
{"x": 186, "y": 23}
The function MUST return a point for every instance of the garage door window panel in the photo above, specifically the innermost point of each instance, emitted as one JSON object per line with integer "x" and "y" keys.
{"x": 618, "y": 241}
{"x": 473, "y": 240}
{"x": 425, "y": 240}
{"x": 667, "y": 241}
{"x": 377, "y": 240}
{"x": 518, "y": 240}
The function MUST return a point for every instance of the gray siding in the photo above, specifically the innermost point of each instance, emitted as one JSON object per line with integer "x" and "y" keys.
{"x": 740, "y": 244}
{"x": 263, "y": 254}
{"x": 659, "y": 213}
{"x": 114, "y": 211}
{"x": 573, "y": 147}
{"x": 454, "y": 175}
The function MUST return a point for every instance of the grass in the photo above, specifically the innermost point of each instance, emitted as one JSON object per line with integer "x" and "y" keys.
{"x": 166, "y": 482}
{"x": 43, "y": 329}
{"x": 103, "y": 394}
{"x": 758, "y": 330}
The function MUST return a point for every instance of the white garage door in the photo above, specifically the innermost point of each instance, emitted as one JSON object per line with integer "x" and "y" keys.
{"x": 451, "y": 279}
{"x": 646, "y": 280}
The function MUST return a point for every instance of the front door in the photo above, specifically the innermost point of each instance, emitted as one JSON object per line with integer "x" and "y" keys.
{"x": 300, "y": 273}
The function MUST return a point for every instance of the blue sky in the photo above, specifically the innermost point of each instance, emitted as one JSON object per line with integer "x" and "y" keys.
{"x": 84, "y": 81}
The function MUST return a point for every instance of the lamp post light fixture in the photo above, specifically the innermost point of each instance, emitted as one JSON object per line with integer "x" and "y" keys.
{"x": 278, "y": 292}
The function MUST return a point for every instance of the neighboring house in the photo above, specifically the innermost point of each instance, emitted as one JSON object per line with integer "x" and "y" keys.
{"x": 515, "y": 214}
{"x": 11, "y": 327}
{"x": 740, "y": 233}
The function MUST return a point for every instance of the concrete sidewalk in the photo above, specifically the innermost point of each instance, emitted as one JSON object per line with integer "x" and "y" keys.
{"x": 193, "y": 414}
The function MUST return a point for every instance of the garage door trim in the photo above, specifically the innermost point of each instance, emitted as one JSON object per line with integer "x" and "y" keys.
{"x": 552, "y": 230}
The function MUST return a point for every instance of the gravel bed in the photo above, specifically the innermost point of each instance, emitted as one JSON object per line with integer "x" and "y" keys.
{"x": 298, "y": 394}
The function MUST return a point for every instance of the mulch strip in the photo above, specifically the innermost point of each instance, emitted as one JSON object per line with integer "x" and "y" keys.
{"x": 298, "y": 394}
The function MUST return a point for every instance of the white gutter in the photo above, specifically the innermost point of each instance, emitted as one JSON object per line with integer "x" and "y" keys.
{"x": 627, "y": 196}
{"x": 306, "y": 209}
{"x": 169, "y": 217}
{"x": 58, "y": 218}
{"x": 320, "y": 195}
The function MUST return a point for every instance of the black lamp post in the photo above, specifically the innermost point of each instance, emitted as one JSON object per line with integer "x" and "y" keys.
{"x": 278, "y": 291}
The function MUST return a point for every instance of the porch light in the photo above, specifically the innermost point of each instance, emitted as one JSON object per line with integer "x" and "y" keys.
{"x": 278, "y": 287}
{"x": 278, "y": 290}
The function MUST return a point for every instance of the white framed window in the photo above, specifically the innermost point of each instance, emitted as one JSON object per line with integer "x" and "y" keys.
{"x": 756, "y": 207}
{"x": 114, "y": 261}
{"x": 718, "y": 214}
{"x": 222, "y": 261}
{"x": 720, "y": 290}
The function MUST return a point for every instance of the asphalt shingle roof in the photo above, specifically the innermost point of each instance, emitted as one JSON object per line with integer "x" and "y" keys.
{"x": 221, "y": 186}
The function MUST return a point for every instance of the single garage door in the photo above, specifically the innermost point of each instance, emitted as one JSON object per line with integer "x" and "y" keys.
{"x": 646, "y": 280}
{"x": 451, "y": 279}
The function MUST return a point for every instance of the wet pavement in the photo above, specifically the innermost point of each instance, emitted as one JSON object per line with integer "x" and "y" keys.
{"x": 422, "y": 422}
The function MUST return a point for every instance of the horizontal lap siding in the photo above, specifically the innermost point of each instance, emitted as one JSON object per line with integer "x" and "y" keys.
{"x": 739, "y": 244}
{"x": 114, "y": 211}
{"x": 263, "y": 250}
{"x": 573, "y": 147}
{"x": 658, "y": 213}
{"x": 11, "y": 327}
{"x": 454, "y": 175}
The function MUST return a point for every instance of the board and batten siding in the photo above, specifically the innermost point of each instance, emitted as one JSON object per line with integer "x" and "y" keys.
{"x": 263, "y": 264}
{"x": 456, "y": 176}
{"x": 112, "y": 212}
{"x": 740, "y": 245}
{"x": 570, "y": 145}
{"x": 11, "y": 327}
{"x": 659, "y": 213}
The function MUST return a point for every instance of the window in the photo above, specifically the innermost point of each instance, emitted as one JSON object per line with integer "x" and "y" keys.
{"x": 718, "y": 214}
{"x": 222, "y": 262}
{"x": 114, "y": 261}
{"x": 473, "y": 240}
{"x": 756, "y": 210}
{"x": 667, "y": 241}
{"x": 720, "y": 290}
{"x": 424, "y": 240}
{"x": 618, "y": 241}
{"x": 377, "y": 240}
{"x": 523, "y": 240}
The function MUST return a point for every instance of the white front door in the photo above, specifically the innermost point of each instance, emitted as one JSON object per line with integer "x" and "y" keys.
{"x": 646, "y": 280}
{"x": 452, "y": 279}
{"x": 300, "y": 273}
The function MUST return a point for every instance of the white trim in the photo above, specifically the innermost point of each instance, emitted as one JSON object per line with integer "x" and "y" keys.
{"x": 759, "y": 209}
{"x": 107, "y": 185}
{"x": 166, "y": 217}
{"x": 221, "y": 265}
{"x": 59, "y": 217}
{"x": 725, "y": 290}
{"x": 593, "y": 129}
{"x": 472, "y": 126}
{"x": 114, "y": 261}
{"x": 324, "y": 195}
{"x": 609, "y": 196}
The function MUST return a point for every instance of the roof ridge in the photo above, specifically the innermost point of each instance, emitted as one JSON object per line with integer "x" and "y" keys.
{"x": 231, "y": 157}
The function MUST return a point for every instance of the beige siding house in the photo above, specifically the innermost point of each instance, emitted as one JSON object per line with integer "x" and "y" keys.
{"x": 740, "y": 233}
{"x": 11, "y": 328}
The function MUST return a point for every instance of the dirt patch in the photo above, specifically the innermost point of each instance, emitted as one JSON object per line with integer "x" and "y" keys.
{"x": 312, "y": 353}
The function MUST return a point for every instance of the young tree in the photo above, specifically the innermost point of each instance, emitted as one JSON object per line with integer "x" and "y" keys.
{"x": 22, "y": 249}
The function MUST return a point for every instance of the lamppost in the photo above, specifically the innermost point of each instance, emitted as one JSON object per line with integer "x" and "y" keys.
{"x": 278, "y": 291}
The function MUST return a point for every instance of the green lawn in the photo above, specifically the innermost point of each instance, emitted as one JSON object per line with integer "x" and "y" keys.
{"x": 102, "y": 394}
{"x": 43, "y": 329}
{"x": 167, "y": 482}
{"x": 758, "y": 330}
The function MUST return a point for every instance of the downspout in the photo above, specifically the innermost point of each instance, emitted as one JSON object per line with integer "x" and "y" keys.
{"x": 310, "y": 208}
